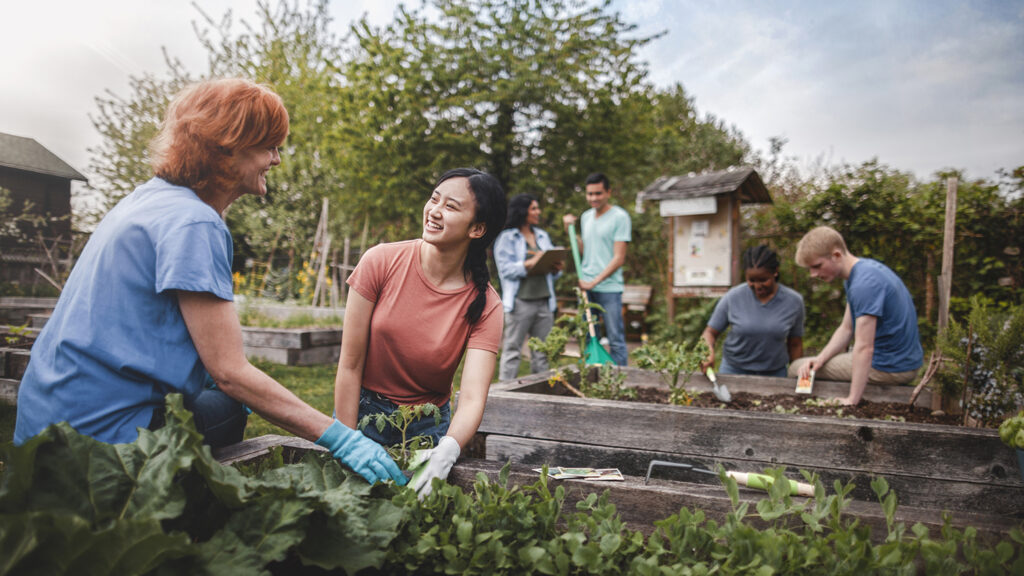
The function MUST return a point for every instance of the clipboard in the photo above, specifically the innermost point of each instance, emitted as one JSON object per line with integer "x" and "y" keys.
{"x": 547, "y": 261}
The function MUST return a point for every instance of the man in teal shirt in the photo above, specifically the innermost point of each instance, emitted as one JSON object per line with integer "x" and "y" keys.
{"x": 605, "y": 231}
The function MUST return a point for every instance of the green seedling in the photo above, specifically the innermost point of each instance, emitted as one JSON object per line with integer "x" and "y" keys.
{"x": 406, "y": 449}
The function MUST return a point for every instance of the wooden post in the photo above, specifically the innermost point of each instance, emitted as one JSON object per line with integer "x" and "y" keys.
{"x": 670, "y": 295}
{"x": 342, "y": 284}
{"x": 948, "y": 239}
{"x": 946, "y": 278}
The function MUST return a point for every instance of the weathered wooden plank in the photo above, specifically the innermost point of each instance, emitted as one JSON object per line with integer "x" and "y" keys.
{"x": 913, "y": 490}
{"x": 9, "y": 391}
{"x": 763, "y": 385}
{"x": 254, "y": 448}
{"x": 13, "y": 362}
{"x": 328, "y": 354}
{"x": 274, "y": 337}
{"x": 639, "y": 505}
{"x": 27, "y": 302}
{"x": 865, "y": 446}
{"x": 38, "y": 321}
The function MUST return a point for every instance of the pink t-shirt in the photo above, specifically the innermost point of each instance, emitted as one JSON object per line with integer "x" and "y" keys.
{"x": 418, "y": 332}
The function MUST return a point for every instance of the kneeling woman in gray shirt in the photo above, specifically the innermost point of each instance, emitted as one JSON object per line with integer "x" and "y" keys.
{"x": 766, "y": 320}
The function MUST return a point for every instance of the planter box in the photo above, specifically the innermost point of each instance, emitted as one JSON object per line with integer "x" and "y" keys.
{"x": 15, "y": 310}
{"x": 293, "y": 346}
{"x": 13, "y": 362}
{"x": 640, "y": 504}
{"x": 931, "y": 467}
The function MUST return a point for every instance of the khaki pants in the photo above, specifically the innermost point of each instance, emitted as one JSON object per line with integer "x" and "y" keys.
{"x": 840, "y": 368}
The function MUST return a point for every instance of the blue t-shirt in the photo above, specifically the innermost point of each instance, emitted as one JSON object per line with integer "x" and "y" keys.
{"x": 116, "y": 343}
{"x": 599, "y": 238}
{"x": 758, "y": 333}
{"x": 874, "y": 289}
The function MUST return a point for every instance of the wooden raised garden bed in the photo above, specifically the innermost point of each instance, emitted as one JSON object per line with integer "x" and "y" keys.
{"x": 16, "y": 310}
{"x": 638, "y": 503}
{"x": 293, "y": 346}
{"x": 15, "y": 345}
{"x": 930, "y": 466}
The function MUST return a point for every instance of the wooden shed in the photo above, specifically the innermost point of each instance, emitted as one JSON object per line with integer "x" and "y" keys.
{"x": 702, "y": 216}
{"x": 33, "y": 181}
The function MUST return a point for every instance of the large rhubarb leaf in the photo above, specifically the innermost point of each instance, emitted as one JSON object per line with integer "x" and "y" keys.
{"x": 54, "y": 544}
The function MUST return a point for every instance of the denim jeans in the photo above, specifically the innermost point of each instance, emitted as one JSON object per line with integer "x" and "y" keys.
{"x": 373, "y": 403}
{"x": 218, "y": 417}
{"x": 614, "y": 327}
{"x": 726, "y": 368}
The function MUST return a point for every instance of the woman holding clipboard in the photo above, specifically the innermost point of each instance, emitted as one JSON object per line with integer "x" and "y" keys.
{"x": 527, "y": 283}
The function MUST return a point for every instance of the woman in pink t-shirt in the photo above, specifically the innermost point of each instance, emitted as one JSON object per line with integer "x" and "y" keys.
{"x": 415, "y": 309}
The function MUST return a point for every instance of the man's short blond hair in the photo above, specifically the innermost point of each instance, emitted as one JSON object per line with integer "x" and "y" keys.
{"x": 819, "y": 243}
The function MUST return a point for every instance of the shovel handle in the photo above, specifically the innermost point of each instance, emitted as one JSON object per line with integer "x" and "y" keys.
{"x": 764, "y": 482}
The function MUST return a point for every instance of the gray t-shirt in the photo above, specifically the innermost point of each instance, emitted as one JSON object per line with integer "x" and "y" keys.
{"x": 757, "y": 339}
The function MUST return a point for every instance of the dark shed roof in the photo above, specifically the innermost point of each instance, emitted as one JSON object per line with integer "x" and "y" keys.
{"x": 28, "y": 155}
{"x": 745, "y": 179}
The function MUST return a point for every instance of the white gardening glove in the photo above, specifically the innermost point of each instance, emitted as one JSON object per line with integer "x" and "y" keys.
{"x": 437, "y": 463}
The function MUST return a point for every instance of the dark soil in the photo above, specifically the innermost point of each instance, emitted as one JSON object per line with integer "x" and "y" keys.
{"x": 792, "y": 404}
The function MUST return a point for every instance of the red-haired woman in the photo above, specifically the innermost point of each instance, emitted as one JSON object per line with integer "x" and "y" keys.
{"x": 148, "y": 308}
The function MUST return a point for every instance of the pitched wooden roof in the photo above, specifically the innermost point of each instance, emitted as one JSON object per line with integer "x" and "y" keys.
{"x": 31, "y": 156}
{"x": 745, "y": 179}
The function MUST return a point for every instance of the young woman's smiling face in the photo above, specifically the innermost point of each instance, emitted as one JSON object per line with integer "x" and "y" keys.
{"x": 449, "y": 213}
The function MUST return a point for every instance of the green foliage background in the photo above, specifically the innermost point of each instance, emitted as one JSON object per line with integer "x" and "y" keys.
{"x": 540, "y": 94}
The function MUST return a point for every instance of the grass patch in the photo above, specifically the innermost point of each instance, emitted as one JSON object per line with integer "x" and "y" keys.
{"x": 313, "y": 384}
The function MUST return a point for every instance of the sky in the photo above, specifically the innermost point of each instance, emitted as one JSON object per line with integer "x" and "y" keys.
{"x": 920, "y": 85}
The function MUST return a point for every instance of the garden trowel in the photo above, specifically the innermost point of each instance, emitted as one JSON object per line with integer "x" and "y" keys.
{"x": 720, "y": 390}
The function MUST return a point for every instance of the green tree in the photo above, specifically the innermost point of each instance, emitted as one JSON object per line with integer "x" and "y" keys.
{"x": 537, "y": 93}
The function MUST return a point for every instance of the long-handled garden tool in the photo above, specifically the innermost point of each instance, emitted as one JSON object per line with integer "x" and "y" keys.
{"x": 595, "y": 353}
{"x": 749, "y": 479}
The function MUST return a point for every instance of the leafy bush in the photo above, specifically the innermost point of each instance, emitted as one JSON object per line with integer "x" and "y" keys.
{"x": 985, "y": 361}
{"x": 163, "y": 505}
{"x": 1011, "y": 431}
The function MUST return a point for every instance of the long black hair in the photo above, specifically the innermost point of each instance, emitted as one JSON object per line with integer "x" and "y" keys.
{"x": 490, "y": 211}
{"x": 519, "y": 209}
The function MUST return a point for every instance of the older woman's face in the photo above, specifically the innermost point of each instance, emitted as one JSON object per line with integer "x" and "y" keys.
{"x": 251, "y": 167}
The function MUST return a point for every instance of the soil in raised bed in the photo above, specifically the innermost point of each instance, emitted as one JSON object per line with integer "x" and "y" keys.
{"x": 803, "y": 405}
{"x": 792, "y": 404}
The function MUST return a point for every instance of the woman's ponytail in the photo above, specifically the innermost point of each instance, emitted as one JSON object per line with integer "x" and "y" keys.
{"x": 490, "y": 211}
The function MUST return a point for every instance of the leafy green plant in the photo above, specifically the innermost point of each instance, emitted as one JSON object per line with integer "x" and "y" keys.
{"x": 163, "y": 505}
{"x": 609, "y": 384}
{"x": 574, "y": 326}
{"x": 1011, "y": 431}
{"x": 672, "y": 360}
{"x": 401, "y": 419}
{"x": 16, "y": 334}
{"x": 984, "y": 361}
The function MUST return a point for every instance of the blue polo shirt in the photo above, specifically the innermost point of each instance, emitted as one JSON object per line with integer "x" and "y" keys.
{"x": 116, "y": 343}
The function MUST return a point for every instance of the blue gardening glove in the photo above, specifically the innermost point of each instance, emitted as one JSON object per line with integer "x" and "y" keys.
{"x": 437, "y": 462}
{"x": 361, "y": 454}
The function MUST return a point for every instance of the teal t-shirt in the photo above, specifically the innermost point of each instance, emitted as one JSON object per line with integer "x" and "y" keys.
{"x": 117, "y": 343}
{"x": 599, "y": 238}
